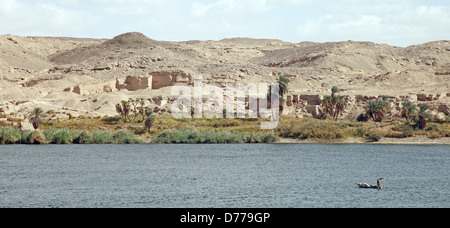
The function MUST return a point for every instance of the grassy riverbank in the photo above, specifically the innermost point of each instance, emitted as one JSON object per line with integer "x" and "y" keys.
{"x": 166, "y": 129}
{"x": 11, "y": 135}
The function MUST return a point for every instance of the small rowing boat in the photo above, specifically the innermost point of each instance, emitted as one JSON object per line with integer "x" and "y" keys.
{"x": 366, "y": 186}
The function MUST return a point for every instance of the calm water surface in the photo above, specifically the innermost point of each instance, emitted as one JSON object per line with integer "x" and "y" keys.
{"x": 249, "y": 176}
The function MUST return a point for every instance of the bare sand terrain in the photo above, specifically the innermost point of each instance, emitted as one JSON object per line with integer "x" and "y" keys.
{"x": 87, "y": 76}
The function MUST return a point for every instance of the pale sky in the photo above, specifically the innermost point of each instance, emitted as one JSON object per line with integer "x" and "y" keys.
{"x": 394, "y": 22}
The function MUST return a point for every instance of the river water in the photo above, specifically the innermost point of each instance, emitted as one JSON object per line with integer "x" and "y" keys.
{"x": 224, "y": 176}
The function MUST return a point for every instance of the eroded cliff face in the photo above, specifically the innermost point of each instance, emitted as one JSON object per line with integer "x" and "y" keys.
{"x": 89, "y": 76}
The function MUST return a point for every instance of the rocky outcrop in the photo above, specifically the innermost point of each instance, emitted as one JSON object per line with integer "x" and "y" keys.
{"x": 428, "y": 98}
{"x": 424, "y": 97}
{"x": 444, "y": 109}
{"x": 444, "y": 70}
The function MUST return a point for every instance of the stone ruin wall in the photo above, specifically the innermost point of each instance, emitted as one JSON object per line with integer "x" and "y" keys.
{"x": 90, "y": 89}
{"x": 163, "y": 79}
{"x": 156, "y": 80}
{"x": 133, "y": 83}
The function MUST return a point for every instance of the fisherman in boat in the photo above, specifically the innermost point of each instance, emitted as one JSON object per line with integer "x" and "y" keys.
{"x": 379, "y": 183}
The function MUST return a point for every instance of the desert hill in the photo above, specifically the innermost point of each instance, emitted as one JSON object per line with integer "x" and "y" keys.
{"x": 80, "y": 76}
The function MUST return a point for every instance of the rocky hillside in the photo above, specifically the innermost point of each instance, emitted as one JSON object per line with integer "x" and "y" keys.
{"x": 79, "y": 76}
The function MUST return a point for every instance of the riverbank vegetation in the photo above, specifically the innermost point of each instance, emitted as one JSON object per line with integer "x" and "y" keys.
{"x": 194, "y": 136}
{"x": 13, "y": 135}
{"x": 166, "y": 129}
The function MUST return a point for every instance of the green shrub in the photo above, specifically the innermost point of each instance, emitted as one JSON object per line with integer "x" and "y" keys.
{"x": 261, "y": 138}
{"x": 435, "y": 135}
{"x": 192, "y": 136}
{"x": 178, "y": 136}
{"x": 102, "y": 137}
{"x": 49, "y": 135}
{"x": 362, "y": 118}
{"x": 84, "y": 137}
{"x": 270, "y": 138}
{"x": 10, "y": 135}
{"x": 26, "y": 135}
{"x": 433, "y": 127}
{"x": 362, "y": 132}
{"x": 254, "y": 138}
{"x": 311, "y": 129}
{"x": 395, "y": 134}
{"x": 406, "y": 129}
{"x": 374, "y": 136}
{"x": 122, "y": 137}
{"x": 61, "y": 136}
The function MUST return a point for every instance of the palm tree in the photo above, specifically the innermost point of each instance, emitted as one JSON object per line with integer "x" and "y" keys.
{"x": 36, "y": 118}
{"x": 340, "y": 106}
{"x": 134, "y": 108}
{"x": 405, "y": 107}
{"x": 334, "y": 90}
{"x": 412, "y": 112}
{"x": 142, "y": 110}
{"x": 150, "y": 119}
{"x": 334, "y": 105}
{"x": 124, "y": 109}
{"x": 283, "y": 83}
{"x": 377, "y": 109}
{"x": 422, "y": 117}
{"x": 327, "y": 104}
{"x": 408, "y": 111}
{"x": 372, "y": 109}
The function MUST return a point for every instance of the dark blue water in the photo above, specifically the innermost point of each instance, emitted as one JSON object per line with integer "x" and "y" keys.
{"x": 249, "y": 176}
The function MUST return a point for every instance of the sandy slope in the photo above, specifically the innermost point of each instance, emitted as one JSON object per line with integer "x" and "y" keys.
{"x": 35, "y": 71}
